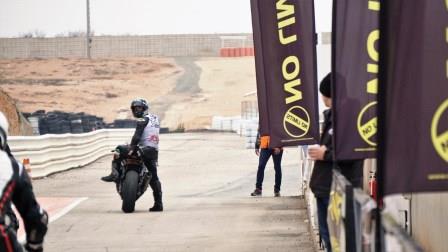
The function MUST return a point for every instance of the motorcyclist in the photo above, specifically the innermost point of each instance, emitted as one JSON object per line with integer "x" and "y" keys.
{"x": 146, "y": 136}
{"x": 15, "y": 186}
{"x": 15, "y": 224}
{"x": 8, "y": 151}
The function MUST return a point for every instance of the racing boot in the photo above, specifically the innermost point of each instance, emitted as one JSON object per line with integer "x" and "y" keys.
{"x": 156, "y": 187}
{"x": 113, "y": 176}
{"x": 109, "y": 178}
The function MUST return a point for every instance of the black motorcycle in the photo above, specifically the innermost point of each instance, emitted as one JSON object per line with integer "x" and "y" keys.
{"x": 133, "y": 177}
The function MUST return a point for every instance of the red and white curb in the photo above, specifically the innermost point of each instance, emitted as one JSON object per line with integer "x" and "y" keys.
{"x": 55, "y": 207}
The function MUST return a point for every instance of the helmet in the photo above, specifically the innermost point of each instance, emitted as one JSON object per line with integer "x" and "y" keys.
{"x": 4, "y": 126}
{"x": 139, "y": 107}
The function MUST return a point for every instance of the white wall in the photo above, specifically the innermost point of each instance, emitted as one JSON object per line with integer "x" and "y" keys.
{"x": 54, "y": 153}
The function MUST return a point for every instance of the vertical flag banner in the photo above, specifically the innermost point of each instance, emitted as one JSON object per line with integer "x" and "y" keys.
{"x": 413, "y": 96}
{"x": 285, "y": 59}
{"x": 260, "y": 72}
{"x": 355, "y": 67}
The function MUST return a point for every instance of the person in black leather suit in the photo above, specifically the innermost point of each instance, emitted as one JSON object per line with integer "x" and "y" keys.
{"x": 146, "y": 136}
{"x": 15, "y": 187}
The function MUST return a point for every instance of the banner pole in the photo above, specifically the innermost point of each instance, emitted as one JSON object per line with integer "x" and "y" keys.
{"x": 382, "y": 80}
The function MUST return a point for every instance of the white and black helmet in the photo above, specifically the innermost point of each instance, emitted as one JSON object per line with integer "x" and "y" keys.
{"x": 139, "y": 102}
{"x": 4, "y": 127}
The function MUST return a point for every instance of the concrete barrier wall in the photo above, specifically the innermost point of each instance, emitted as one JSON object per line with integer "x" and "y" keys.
{"x": 429, "y": 220}
{"x": 54, "y": 153}
{"x": 42, "y": 47}
{"x": 193, "y": 45}
{"x": 205, "y": 45}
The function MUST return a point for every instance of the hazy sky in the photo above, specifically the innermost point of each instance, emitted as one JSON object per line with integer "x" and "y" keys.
{"x": 135, "y": 16}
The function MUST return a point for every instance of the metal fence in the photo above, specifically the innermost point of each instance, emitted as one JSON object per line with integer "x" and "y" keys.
{"x": 249, "y": 110}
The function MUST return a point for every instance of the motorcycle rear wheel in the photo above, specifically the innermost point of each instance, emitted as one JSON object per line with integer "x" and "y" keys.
{"x": 129, "y": 191}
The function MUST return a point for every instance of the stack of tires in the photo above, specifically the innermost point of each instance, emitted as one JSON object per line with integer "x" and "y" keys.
{"x": 125, "y": 123}
{"x": 87, "y": 122}
{"x": 76, "y": 123}
{"x": 58, "y": 122}
{"x": 34, "y": 119}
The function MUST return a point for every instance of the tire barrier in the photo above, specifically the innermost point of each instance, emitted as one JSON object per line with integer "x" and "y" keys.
{"x": 164, "y": 130}
{"x": 247, "y": 128}
{"x": 236, "y": 51}
{"x": 58, "y": 122}
{"x": 124, "y": 123}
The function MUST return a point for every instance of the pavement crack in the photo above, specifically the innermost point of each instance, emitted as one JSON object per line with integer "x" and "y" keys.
{"x": 69, "y": 228}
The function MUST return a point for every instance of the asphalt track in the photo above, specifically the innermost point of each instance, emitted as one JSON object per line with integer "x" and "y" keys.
{"x": 206, "y": 178}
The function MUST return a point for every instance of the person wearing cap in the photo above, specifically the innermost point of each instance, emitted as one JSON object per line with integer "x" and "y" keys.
{"x": 320, "y": 182}
{"x": 321, "y": 178}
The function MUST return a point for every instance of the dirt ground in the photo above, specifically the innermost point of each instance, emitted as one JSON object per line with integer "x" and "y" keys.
{"x": 18, "y": 125}
{"x": 223, "y": 82}
{"x": 183, "y": 91}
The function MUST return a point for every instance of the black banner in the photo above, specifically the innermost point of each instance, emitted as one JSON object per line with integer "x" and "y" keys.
{"x": 413, "y": 96}
{"x": 285, "y": 56}
{"x": 260, "y": 72}
{"x": 355, "y": 67}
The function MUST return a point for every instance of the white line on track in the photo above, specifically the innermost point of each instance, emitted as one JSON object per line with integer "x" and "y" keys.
{"x": 58, "y": 215}
{"x": 67, "y": 209}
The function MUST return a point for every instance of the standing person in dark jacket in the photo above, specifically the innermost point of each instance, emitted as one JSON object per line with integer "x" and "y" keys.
{"x": 146, "y": 136}
{"x": 321, "y": 177}
{"x": 15, "y": 186}
{"x": 264, "y": 152}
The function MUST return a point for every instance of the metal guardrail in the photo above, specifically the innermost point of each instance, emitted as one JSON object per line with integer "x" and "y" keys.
{"x": 364, "y": 223}
{"x": 396, "y": 238}
{"x": 362, "y": 207}
{"x": 54, "y": 153}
